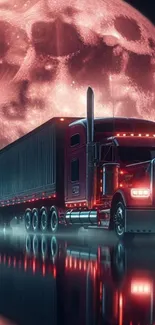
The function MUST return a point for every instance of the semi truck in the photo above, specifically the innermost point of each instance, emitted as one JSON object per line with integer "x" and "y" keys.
{"x": 89, "y": 172}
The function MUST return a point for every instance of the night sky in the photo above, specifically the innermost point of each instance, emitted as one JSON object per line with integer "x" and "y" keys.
{"x": 146, "y": 7}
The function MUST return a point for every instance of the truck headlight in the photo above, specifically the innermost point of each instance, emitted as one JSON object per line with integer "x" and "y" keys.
{"x": 140, "y": 192}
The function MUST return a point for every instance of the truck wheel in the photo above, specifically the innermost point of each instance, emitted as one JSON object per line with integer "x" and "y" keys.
{"x": 54, "y": 220}
{"x": 119, "y": 219}
{"x": 28, "y": 220}
{"x": 43, "y": 219}
{"x": 35, "y": 220}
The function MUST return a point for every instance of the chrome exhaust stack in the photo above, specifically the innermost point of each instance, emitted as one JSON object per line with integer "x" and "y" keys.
{"x": 90, "y": 187}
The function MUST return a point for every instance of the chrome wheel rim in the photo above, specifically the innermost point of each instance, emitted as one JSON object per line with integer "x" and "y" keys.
{"x": 44, "y": 220}
{"x": 28, "y": 220}
{"x": 35, "y": 220}
{"x": 119, "y": 220}
{"x": 54, "y": 221}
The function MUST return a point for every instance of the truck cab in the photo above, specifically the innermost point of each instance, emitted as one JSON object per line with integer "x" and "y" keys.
{"x": 109, "y": 174}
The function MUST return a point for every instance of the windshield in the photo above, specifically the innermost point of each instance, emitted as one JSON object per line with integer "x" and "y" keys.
{"x": 135, "y": 154}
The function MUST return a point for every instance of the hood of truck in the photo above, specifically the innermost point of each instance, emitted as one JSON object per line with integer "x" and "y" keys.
{"x": 129, "y": 141}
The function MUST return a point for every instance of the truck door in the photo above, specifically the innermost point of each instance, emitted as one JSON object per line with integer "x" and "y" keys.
{"x": 75, "y": 165}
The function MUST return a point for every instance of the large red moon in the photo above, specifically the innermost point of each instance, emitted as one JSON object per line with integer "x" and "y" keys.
{"x": 51, "y": 51}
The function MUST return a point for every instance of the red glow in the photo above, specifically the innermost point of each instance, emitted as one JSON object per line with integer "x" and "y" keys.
{"x": 25, "y": 264}
{"x": 43, "y": 269}
{"x": 54, "y": 272}
{"x": 140, "y": 192}
{"x": 66, "y": 262}
{"x": 120, "y": 309}
{"x": 141, "y": 288}
{"x": 34, "y": 265}
{"x": 135, "y": 135}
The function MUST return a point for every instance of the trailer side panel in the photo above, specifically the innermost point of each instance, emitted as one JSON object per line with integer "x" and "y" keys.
{"x": 28, "y": 167}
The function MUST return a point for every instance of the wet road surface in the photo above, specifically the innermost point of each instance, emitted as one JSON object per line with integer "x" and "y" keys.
{"x": 76, "y": 279}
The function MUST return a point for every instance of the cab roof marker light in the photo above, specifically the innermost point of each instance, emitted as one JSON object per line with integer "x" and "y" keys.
{"x": 140, "y": 192}
{"x": 135, "y": 135}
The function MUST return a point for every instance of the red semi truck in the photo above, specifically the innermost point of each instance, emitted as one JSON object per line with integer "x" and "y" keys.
{"x": 86, "y": 172}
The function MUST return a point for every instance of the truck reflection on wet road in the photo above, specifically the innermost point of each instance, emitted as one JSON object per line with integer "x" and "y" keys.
{"x": 78, "y": 280}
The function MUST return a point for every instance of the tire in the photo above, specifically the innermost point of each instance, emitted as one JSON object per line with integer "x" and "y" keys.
{"x": 35, "y": 220}
{"x": 54, "y": 220}
{"x": 119, "y": 222}
{"x": 44, "y": 220}
{"x": 28, "y": 220}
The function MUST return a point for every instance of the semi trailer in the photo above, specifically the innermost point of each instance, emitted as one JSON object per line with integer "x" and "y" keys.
{"x": 89, "y": 172}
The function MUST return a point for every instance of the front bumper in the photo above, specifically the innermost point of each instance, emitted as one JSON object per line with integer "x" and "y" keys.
{"x": 140, "y": 221}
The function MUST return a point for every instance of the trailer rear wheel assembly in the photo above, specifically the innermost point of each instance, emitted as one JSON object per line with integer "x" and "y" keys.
{"x": 35, "y": 220}
{"x": 28, "y": 219}
{"x": 54, "y": 219}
